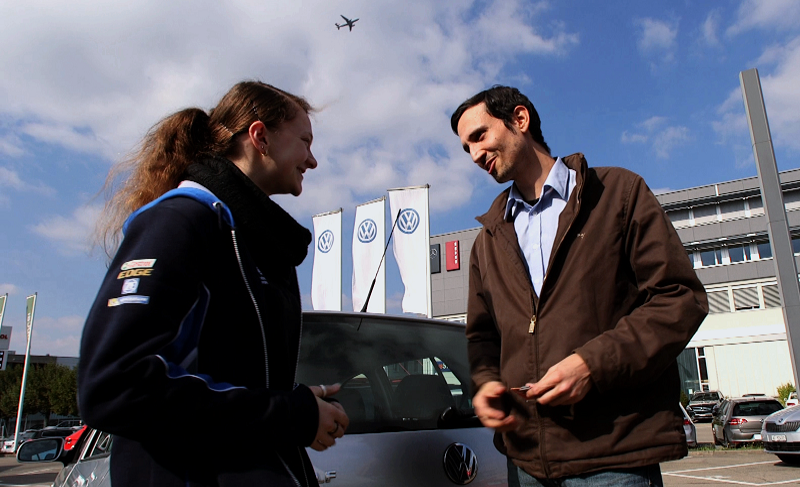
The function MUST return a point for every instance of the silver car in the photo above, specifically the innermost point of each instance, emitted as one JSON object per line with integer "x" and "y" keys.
{"x": 405, "y": 387}
{"x": 689, "y": 428}
{"x": 781, "y": 435}
{"x": 738, "y": 420}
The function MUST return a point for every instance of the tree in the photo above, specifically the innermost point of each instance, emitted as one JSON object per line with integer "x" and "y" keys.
{"x": 50, "y": 388}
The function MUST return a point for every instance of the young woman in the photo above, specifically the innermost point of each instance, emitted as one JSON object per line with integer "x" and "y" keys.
{"x": 189, "y": 353}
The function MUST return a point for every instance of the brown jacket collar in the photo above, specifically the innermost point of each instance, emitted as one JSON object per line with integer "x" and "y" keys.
{"x": 494, "y": 217}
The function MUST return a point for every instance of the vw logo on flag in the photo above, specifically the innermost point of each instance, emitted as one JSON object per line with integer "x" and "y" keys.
{"x": 408, "y": 221}
{"x": 367, "y": 231}
{"x": 325, "y": 242}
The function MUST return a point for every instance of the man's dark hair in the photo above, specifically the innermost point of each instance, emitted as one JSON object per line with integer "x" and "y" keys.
{"x": 500, "y": 102}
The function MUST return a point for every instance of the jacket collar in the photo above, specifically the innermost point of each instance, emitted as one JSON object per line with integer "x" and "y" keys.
{"x": 274, "y": 232}
{"x": 495, "y": 216}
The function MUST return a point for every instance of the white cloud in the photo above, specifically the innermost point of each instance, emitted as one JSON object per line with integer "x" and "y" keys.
{"x": 766, "y": 14}
{"x": 11, "y": 145}
{"x": 386, "y": 89}
{"x": 709, "y": 29}
{"x": 10, "y": 179}
{"x": 656, "y": 35}
{"x": 662, "y": 138}
{"x": 70, "y": 234}
{"x": 8, "y": 288}
{"x": 58, "y": 336}
{"x": 781, "y": 98}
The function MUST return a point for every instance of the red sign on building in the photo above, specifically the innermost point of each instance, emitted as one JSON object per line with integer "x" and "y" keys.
{"x": 453, "y": 255}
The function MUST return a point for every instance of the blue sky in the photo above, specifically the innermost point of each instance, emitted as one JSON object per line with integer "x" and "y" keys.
{"x": 650, "y": 86}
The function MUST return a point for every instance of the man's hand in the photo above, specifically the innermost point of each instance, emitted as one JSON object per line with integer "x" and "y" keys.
{"x": 489, "y": 407}
{"x": 567, "y": 382}
{"x": 333, "y": 420}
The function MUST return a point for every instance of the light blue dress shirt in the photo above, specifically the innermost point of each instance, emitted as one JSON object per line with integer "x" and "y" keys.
{"x": 536, "y": 225}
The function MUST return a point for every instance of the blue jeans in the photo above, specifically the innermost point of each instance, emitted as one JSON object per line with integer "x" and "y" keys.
{"x": 649, "y": 476}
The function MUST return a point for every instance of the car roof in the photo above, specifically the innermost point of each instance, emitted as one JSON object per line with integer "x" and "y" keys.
{"x": 752, "y": 399}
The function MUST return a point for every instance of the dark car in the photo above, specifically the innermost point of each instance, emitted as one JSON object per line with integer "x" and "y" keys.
{"x": 405, "y": 387}
{"x": 701, "y": 405}
{"x": 739, "y": 420}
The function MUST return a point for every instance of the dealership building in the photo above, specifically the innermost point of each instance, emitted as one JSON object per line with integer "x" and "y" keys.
{"x": 741, "y": 346}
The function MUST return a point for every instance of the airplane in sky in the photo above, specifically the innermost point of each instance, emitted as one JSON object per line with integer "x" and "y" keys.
{"x": 347, "y": 22}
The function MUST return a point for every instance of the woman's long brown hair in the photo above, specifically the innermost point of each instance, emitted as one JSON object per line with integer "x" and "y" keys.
{"x": 168, "y": 148}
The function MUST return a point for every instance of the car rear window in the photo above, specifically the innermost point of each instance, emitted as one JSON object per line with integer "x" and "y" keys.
{"x": 396, "y": 374}
{"x": 757, "y": 408}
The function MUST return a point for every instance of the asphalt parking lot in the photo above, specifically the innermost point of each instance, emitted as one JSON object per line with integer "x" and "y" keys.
{"x": 707, "y": 465}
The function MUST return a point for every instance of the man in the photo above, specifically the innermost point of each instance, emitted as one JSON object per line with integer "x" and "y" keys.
{"x": 581, "y": 291}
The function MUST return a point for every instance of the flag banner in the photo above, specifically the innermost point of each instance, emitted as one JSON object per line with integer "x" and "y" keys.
{"x": 30, "y": 307}
{"x": 436, "y": 260}
{"x": 3, "y": 300}
{"x": 412, "y": 245}
{"x": 369, "y": 240}
{"x": 326, "y": 276}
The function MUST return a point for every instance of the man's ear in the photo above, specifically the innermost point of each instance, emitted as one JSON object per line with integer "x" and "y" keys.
{"x": 521, "y": 118}
{"x": 258, "y": 137}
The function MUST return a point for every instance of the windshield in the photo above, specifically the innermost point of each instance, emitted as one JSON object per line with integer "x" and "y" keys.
{"x": 757, "y": 408}
{"x": 705, "y": 396}
{"x": 397, "y": 374}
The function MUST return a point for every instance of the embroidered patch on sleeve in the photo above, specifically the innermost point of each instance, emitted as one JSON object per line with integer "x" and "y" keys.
{"x": 130, "y": 286}
{"x": 132, "y": 299}
{"x": 139, "y": 267}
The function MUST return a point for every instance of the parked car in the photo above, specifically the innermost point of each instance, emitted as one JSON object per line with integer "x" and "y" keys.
{"x": 405, "y": 387}
{"x": 738, "y": 420}
{"x": 8, "y": 443}
{"x": 781, "y": 434}
{"x": 689, "y": 428}
{"x": 86, "y": 465}
{"x": 701, "y": 404}
{"x": 73, "y": 440}
{"x": 792, "y": 400}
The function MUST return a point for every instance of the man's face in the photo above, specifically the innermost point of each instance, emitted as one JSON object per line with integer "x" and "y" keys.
{"x": 496, "y": 149}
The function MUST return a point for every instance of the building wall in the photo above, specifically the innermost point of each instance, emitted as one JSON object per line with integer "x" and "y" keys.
{"x": 449, "y": 287}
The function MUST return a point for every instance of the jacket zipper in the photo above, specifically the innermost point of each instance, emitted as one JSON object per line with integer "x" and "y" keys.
{"x": 264, "y": 342}
{"x": 255, "y": 305}
{"x": 532, "y": 331}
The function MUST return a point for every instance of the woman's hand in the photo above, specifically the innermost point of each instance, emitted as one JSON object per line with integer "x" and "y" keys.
{"x": 333, "y": 421}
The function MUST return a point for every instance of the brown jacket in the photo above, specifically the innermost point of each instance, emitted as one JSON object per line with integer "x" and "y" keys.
{"x": 620, "y": 292}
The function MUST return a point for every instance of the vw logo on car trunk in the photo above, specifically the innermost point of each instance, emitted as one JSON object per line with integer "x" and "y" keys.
{"x": 367, "y": 231}
{"x": 460, "y": 463}
{"x": 408, "y": 221}
{"x": 325, "y": 242}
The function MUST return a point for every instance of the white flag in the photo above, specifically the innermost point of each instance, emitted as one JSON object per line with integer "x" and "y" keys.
{"x": 326, "y": 276}
{"x": 412, "y": 245}
{"x": 369, "y": 237}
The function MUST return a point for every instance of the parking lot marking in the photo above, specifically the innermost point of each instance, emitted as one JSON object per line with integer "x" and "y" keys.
{"x": 727, "y": 480}
{"x": 722, "y": 467}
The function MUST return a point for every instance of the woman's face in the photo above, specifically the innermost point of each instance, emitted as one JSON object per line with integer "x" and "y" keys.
{"x": 288, "y": 156}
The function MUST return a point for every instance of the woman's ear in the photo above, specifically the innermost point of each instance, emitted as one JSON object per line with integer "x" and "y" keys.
{"x": 258, "y": 137}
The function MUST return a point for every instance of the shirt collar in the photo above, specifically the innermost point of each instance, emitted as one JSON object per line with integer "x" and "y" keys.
{"x": 557, "y": 180}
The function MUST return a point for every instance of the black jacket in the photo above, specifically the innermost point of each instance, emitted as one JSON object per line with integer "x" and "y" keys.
{"x": 190, "y": 350}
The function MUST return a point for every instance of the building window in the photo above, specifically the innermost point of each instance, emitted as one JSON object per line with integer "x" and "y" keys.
{"x": 791, "y": 199}
{"x": 755, "y": 206}
{"x": 705, "y": 214}
{"x": 745, "y": 298}
{"x": 764, "y": 250}
{"x": 719, "y": 302}
{"x": 732, "y": 209}
{"x": 772, "y": 298}
{"x": 680, "y": 218}
{"x": 711, "y": 257}
{"x": 701, "y": 368}
{"x": 739, "y": 253}
{"x": 796, "y": 245}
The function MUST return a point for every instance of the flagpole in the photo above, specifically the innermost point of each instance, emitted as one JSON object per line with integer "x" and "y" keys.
{"x": 29, "y": 329}
{"x": 428, "y": 243}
